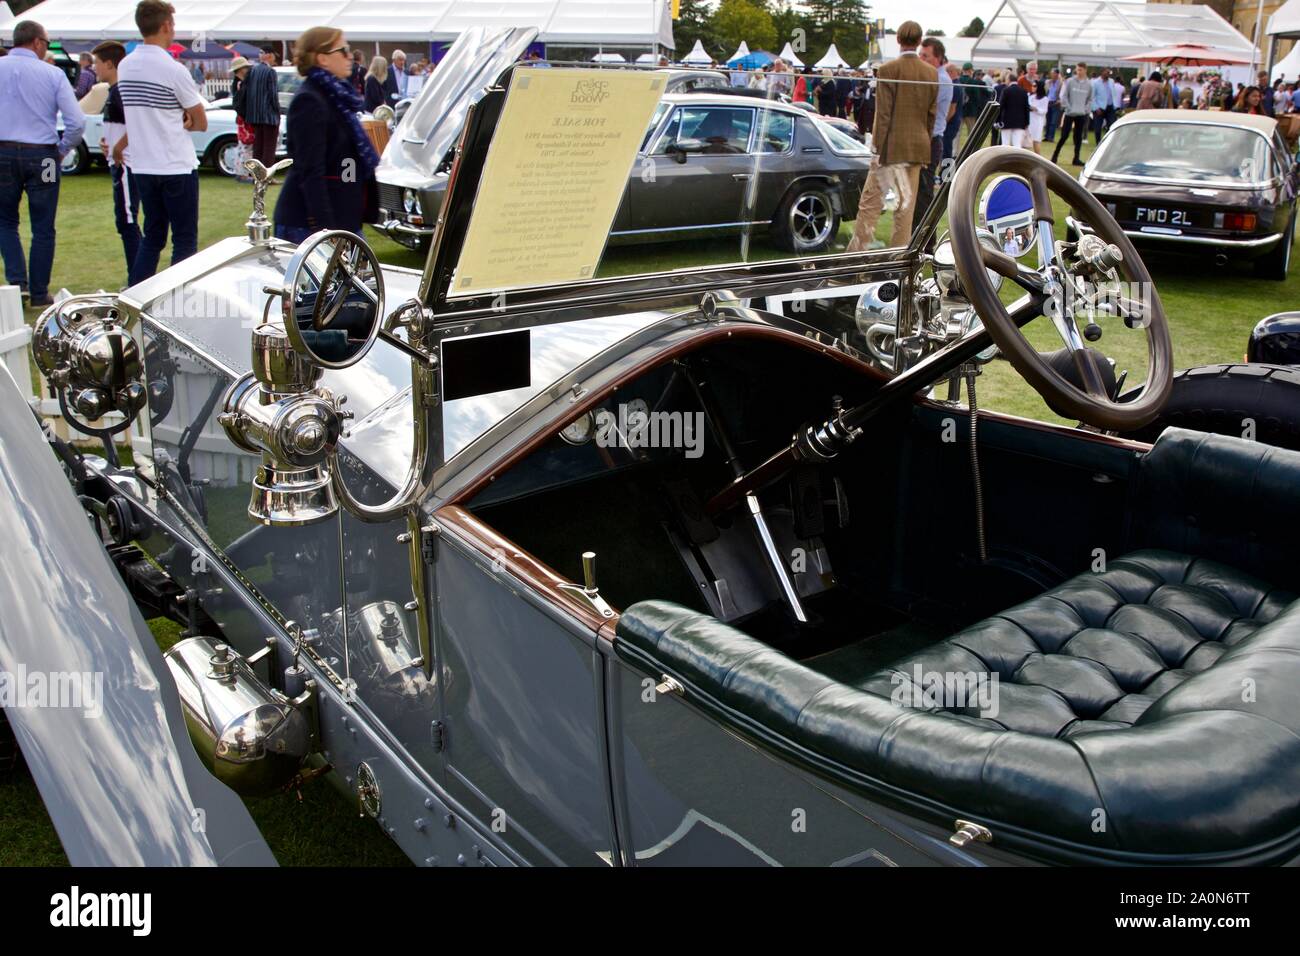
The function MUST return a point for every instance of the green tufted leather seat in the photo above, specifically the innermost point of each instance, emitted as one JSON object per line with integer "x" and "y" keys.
{"x": 1150, "y": 711}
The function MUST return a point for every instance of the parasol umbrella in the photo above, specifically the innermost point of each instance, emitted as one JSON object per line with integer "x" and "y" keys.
{"x": 240, "y": 48}
{"x": 210, "y": 51}
{"x": 752, "y": 61}
{"x": 1190, "y": 54}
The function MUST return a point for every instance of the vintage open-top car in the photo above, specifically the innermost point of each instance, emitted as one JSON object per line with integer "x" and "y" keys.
{"x": 653, "y": 569}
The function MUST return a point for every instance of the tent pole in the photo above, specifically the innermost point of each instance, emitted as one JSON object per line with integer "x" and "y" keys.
{"x": 1259, "y": 29}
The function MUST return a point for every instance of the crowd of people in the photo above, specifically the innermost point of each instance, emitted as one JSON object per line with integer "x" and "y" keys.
{"x": 916, "y": 106}
{"x": 150, "y": 105}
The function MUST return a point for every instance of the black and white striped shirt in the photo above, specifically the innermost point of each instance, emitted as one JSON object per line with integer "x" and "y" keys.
{"x": 156, "y": 90}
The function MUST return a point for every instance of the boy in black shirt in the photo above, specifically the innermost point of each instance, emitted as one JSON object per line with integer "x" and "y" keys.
{"x": 125, "y": 203}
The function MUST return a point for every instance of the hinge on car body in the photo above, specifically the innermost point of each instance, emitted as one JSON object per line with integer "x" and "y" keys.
{"x": 438, "y": 734}
{"x": 428, "y": 534}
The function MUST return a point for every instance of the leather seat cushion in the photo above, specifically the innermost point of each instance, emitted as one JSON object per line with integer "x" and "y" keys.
{"x": 1099, "y": 651}
{"x": 1149, "y": 709}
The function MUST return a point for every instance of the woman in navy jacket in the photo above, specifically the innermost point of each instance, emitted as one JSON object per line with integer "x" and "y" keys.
{"x": 376, "y": 84}
{"x": 333, "y": 161}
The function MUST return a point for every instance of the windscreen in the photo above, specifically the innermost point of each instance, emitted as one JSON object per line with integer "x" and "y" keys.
{"x": 1191, "y": 152}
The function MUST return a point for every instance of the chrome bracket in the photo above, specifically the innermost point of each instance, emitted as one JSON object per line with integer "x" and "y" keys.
{"x": 968, "y": 832}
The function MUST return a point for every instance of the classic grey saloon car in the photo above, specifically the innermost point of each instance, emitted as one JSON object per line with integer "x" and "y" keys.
{"x": 545, "y": 567}
{"x": 712, "y": 162}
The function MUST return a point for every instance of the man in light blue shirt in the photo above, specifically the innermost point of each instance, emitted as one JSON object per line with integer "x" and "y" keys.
{"x": 32, "y": 95}
{"x": 933, "y": 52}
{"x": 1104, "y": 105}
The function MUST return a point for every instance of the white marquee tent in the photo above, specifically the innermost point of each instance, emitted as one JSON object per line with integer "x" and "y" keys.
{"x": 599, "y": 23}
{"x": 1287, "y": 68}
{"x": 1283, "y": 24}
{"x": 742, "y": 50}
{"x": 1100, "y": 31}
{"x": 789, "y": 56}
{"x": 831, "y": 61}
{"x": 698, "y": 55}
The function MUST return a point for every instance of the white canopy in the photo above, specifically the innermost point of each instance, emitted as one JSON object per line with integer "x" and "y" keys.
{"x": 959, "y": 50}
{"x": 742, "y": 50}
{"x": 788, "y": 55}
{"x": 1288, "y": 68}
{"x": 698, "y": 55}
{"x": 831, "y": 61}
{"x": 609, "y": 58}
{"x": 1100, "y": 31}
{"x": 620, "y": 23}
{"x": 1285, "y": 20}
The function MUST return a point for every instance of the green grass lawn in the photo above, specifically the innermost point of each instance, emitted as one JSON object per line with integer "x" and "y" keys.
{"x": 1211, "y": 312}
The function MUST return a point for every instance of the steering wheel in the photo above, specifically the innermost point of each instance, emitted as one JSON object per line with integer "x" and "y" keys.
{"x": 1051, "y": 284}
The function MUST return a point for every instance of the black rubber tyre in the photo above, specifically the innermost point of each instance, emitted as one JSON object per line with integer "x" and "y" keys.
{"x": 1277, "y": 263}
{"x": 9, "y": 753}
{"x": 806, "y": 221}
{"x": 1234, "y": 400}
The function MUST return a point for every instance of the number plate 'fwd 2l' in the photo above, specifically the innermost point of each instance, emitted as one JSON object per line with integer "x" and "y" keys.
{"x": 1162, "y": 217}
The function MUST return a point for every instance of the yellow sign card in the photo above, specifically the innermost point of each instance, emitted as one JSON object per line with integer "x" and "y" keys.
{"x": 555, "y": 174}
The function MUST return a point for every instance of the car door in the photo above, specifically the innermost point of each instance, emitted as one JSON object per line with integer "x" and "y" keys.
{"x": 521, "y": 687}
{"x": 672, "y": 190}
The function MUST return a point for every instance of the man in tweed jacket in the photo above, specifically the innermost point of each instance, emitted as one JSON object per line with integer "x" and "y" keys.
{"x": 906, "y": 97}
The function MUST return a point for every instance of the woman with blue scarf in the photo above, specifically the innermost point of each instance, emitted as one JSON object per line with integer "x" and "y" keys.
{"x": 333, "y": 161}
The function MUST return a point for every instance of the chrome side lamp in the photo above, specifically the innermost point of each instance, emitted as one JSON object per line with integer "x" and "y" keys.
{"x": 83, "y": 348}
{"x": 332, "y": 305}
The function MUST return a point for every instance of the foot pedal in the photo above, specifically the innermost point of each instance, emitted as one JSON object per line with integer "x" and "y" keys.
{"x": 806, "y": 503}
{"x": 689, "y": 510}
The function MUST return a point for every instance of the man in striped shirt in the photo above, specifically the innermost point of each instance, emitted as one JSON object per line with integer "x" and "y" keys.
{"x": 162, "y": 107}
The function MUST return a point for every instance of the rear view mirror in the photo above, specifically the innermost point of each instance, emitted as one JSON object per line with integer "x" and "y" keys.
{"x": 1007, "y": 211}
{"x": 684, "y": 147}
{"x": 333, "y": 298}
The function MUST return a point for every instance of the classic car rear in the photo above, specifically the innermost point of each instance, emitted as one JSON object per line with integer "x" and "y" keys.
{"x": 1211, "y": 185}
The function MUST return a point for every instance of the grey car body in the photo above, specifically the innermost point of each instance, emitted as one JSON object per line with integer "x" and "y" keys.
{"x": 765, "y": 164}
{"x": 487, "y": 710}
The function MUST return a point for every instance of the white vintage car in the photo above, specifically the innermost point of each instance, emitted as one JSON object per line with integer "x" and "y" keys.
{"x": 217, "y": 146}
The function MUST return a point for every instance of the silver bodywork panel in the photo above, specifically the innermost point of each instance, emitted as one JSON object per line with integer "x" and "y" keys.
{"x": 118, "y": 775}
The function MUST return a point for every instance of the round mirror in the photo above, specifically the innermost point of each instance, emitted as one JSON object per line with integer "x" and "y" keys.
{"x": 1007, "y": 211}
{"x": 333, "y": 298}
